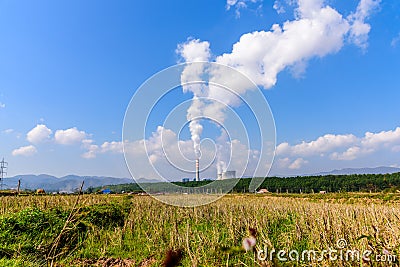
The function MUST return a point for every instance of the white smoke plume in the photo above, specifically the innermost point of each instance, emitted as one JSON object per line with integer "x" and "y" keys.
{"x": 317, "y": 30}
{"x": 194, "y": 51}
{"x": 223, "y": 151}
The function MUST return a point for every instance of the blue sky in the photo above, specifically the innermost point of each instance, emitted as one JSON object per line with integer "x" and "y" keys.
{"x": 73, "y": 66}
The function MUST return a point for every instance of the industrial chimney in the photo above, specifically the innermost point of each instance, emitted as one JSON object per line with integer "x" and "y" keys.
{"x": 197, "y": 170}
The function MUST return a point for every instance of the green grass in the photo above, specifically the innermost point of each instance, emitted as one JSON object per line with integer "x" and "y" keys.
{"x": 142, "y": 229}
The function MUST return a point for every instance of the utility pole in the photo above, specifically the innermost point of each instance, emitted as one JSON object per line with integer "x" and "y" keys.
{"x": 3, "y": 168}
{"x": 19, "y": 185}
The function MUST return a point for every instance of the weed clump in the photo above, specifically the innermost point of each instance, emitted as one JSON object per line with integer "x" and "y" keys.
{"x": 44, "y": 235}
{"x": 105, "y": 215}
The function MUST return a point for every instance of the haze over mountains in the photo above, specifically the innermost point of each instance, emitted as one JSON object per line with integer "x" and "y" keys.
{"x": 71, "y": 183}
{"x": 346, "y": 171}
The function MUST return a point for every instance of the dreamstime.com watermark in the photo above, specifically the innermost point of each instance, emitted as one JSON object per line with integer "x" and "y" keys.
{"x": 340, "y": 253}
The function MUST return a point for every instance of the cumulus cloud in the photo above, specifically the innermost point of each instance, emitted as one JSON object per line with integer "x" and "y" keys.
{"x": 243, "y": 4}
{"x": 114, "y": 147}
{"x": 284, "y": 163}
{"x": 354, "y": 146}
{"x": 317, "y": 30}
{"x": 25, "y": 151}
{"x": 2, "y": 105}
{"x": 162, "y": 154}
{"x": 337, "y": 148}
{"x": 40, "y": 133}
{"x": 359, "y": 29}
{"x": 321, "y": 145}
{"x": 194, "y": 50}
{"x": 69, "y": 136}
{"x": 297, "y": 164}
{"x": 385, "y": 138}
{"x": 351, "y": 153}
{"x": 93, "y": 150}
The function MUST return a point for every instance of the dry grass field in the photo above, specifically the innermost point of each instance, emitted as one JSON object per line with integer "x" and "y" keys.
{"x": 122, "y": 230}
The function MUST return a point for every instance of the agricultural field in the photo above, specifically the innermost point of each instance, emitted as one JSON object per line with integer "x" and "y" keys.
{"x": 133, "y": 230}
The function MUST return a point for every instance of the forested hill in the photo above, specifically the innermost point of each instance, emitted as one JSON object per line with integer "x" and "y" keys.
{"x": 330, "y": 183}
{"x": 304, "y": 184}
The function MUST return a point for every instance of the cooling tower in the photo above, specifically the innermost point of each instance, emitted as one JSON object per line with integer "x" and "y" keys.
{"x": 226, "y": 175}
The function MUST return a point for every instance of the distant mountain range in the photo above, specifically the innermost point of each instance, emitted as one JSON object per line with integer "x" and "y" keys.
{"x": 69, "y": 183}
{"x": 376, "y": 170}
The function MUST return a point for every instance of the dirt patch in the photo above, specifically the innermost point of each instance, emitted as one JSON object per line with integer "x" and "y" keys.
{"x": 105, "y": 262}
{"x": 112, "y": 262}
{"x": 147, "y": 262}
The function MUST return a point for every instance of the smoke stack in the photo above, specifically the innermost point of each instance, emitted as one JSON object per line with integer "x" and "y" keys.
{"x": 197, "y": 170}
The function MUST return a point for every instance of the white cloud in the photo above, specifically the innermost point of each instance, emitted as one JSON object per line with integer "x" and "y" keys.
{"x": 317, "y": 31}
{"x": 91, "y": 148}
{"x": 359, "y": 28}
{"x": 114, "y": 147}
{"x": 384, "y": 138}
{"x": 26, "y": 151}
{"x": 69, "y": 136}
{"x": 351, "y": 153}
{"x": 164, "y": 148}
{"x": 278, "y": 7}
{"x": 91, "y": 152}
{"x": 2, "y": 105}
{"x": 40, "y": 133}
{"x": 242, "y": 4}
{"x": 287, "y": 163}
{"x": 8, "y": 131}
{"x": 174, "y": 158}
{"x": 339, "y": 148}
{"x": 230, "y": 3}
{"x": 297, "y": 164}
{"x": 194, "y": 50}
{"x": 322, "y": 144}
{"x": 395, "y": 41}
{"x": 107, "y": 147}
{"x": 282, "y": 162}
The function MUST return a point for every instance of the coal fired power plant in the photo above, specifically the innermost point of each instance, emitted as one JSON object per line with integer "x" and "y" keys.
{"x": 197, "y": 170}
{"x": 220, "y": 176}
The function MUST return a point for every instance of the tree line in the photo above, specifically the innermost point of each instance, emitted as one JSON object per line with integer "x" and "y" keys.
{"x": 299, "y": 184}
